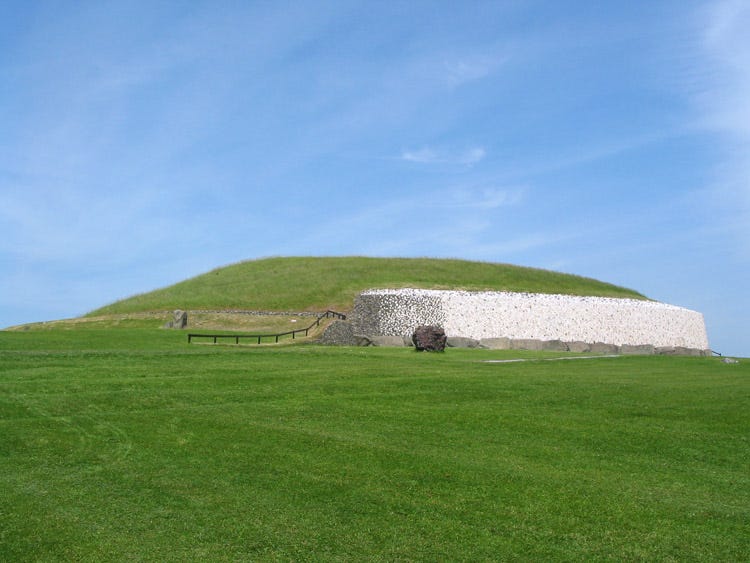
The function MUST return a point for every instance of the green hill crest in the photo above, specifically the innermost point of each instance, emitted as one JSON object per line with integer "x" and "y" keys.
{"x": 320, "y": 283}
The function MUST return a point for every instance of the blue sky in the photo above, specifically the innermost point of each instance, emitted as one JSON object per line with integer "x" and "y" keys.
{"x": 147, "y": 142}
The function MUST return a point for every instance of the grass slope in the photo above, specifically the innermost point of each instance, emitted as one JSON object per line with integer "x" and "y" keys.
{"x": 128, "y": 444}
{"x": 298, "y": 284}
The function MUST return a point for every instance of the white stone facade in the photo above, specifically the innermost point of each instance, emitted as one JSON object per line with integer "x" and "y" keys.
{"x": 491, "y": 314}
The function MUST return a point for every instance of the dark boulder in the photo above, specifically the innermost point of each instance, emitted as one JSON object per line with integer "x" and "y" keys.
{"x": 429, "y": 338}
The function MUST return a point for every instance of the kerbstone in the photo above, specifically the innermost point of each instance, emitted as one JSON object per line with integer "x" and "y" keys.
{"x": 362, "y": 340}
{"x": 462, "y": 342}
{"x": 637, "y": 350}
{"x": 387, "y": 341}
{"x": 603, "y": 348}
{"x": 554, "y": 345}
{"x": 495, "y": 343}
{"x": 526, "y": 344}
{"x": 579, "y": 346}
{"x": 678, "y": 351}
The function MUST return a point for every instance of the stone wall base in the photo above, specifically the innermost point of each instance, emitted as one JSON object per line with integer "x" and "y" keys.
{"x": 342, "y": 333}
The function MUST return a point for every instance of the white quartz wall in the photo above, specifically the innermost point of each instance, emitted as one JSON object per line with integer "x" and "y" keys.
{"x": 490, "y": 314}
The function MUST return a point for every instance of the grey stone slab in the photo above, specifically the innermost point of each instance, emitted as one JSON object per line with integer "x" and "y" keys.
{"x": 637, "y": 349}
{"x": 579, "y": 346}
{"x": 495, "y": 343}
{"x": 462, "y": 342}
{"x": 387, "y": 341}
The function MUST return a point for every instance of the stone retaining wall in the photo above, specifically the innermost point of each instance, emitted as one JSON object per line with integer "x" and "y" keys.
{"x": 519, "y": 316}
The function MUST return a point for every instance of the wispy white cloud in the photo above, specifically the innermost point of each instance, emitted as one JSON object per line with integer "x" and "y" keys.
{"x": 453, "y": 221}
{"x": 480, "y": 198}
{"x": 723, "y": 100}
{"x": 460, "y": 70}
{"x": 472, "y": 156}
{"x": 424, "y": 156}
{"x": 428, "y": 155}
{"x": 727, "y": 46}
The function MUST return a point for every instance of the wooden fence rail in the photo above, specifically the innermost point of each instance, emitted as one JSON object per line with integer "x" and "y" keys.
{"x": 260, "y": 337}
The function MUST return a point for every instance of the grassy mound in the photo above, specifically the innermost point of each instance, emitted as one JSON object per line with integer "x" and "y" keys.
{"x": 316, "y": 284}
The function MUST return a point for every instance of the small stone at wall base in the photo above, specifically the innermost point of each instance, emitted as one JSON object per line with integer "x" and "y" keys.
{"x": 579, "y": 346}
{"x": 362, "y": 340}
{"x": 533, "y": 344}
{"x": 640, "y": 349}
{"x": 388, "y": 341}
{"x": 461, "y": 342}
{"x": 179, "y": 320}
{"x": 525, "y": 344}
{"x": 429, "y": 338}
{"x": 602, "y": 348}
{"x": 679, "y": 351}
{"x": 495, "y": 343}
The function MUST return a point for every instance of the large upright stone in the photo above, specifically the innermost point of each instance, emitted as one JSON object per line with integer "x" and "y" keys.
{"x": 429, "y": 338}
{"x": 179, "y": 320}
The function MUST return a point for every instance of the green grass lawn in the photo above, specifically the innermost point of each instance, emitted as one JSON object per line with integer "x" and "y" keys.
{"x": 204, "y": 322}
{"x": 128, "y": 444}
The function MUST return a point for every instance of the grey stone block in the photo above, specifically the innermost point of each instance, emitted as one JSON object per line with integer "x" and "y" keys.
{"x": 526, "y": 344}
{"x": 682, "y": 351}
{"x": 637, "y": 349}
{"x": 495, "y": 343}
{"x": 579, "y": 346}
{"x": 533, "y": 344}
{"x": 362, "y": 340}
{"x": 554, "y": 345}
{"x": 462, "y": 342}
{"x": 679, "y": 351}
{"x": 388, "y": 341}
{"x": 603, "y": 348}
